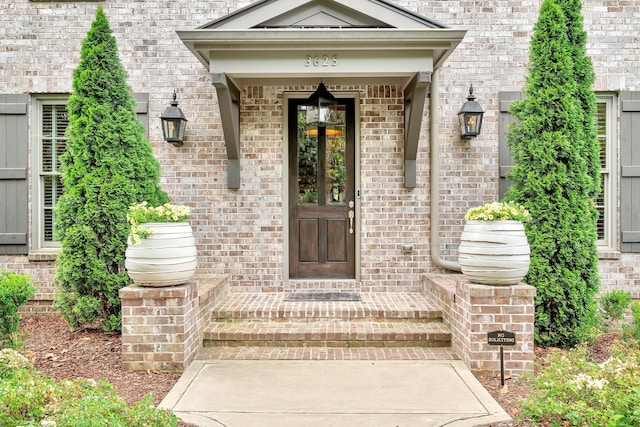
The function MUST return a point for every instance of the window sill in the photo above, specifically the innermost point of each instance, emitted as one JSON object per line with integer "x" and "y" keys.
{"x": 42, "y": 256}
{"x": 608, "y": 253}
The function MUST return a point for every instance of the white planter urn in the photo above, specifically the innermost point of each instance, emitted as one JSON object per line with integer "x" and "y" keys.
{"x": 165, "y": 258}
{"x": 494, "y": 252}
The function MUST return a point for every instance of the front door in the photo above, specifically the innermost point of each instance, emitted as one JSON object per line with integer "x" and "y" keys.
{"x": 322, "y": 209}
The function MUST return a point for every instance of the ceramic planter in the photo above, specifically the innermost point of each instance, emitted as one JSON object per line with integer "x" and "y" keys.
{"x": 494, "y": 252}
{"x": 165, "y": 258}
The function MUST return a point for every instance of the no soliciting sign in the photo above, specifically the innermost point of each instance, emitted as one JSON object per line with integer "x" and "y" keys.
{"x": 501, "y": 338}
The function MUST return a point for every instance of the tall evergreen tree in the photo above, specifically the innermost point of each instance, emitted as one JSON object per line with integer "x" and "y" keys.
{"x": 585, "y": 78}
{"x": 554, "y": 178}
{"x": 108, "y": 166}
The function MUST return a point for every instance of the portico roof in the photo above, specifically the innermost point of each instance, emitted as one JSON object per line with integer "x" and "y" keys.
{"x": 303, "y": 41}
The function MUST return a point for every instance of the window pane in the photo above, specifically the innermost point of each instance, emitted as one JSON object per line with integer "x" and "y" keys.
{"x": 62, "y": 120}
{"x": 52, "y": 190}
{"x": 48, "y": 225}
{"x": 337, "y": 160}
{"x": 47, "y": 155}
{"x": 47, "y": 121}
{"x": 307, "y": 161}
{"x": 601, "y": 207}
{"x": 337, "y": 170}
{"x": 61, "y": 147}
{"x": 602, "y": 132}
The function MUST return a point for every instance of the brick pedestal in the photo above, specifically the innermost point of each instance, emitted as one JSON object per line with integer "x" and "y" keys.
{"x": 162, "y": 327}
{"x": 470, "y": 311}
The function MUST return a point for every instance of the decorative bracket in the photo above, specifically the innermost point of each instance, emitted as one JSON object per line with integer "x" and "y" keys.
{"x": 414, "y": 97}
{"x": 229, "y": 103}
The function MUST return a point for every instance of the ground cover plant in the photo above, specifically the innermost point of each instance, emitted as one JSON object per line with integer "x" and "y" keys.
{"x": 108, "y": 167}
{"x": 30, "y": 398}
{"x": 581, "y": 388}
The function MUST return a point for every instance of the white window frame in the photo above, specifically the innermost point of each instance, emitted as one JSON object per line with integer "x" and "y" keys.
{"x": 608, "y": 175}
{"x": 37, "y": 197}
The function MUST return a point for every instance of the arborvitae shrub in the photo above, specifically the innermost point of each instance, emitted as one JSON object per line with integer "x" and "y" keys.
{"x": 553, "y": 178}
{"x": 108, "y": 166}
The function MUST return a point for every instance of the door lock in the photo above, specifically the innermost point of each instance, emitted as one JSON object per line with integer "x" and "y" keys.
{"x": 352, "y": 215}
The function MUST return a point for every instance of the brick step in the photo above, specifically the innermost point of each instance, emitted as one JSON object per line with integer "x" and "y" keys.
{"x": 326, "y": 353}
{"x": 326, "y": 333}
{"x": 397, "y": 306}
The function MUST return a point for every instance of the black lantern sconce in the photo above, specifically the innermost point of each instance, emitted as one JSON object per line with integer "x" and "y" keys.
{"x": 173, "y": 123}
{"x": 470, "y": 117}
{"x": 322, "y": 108}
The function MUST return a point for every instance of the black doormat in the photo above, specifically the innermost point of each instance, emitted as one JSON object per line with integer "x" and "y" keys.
{"x": 322, "y": 296}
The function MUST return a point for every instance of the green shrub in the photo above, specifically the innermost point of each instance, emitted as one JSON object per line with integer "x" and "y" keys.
{"x": 633, "y": 330}
{"x": 108, "y": 166}
{"x": 30, "y": 398}
{"x": 571, "y": 390}
{"x": 15, "y": 290}
{"x": 554, "y": 175}
{"x": 613, "y": 304}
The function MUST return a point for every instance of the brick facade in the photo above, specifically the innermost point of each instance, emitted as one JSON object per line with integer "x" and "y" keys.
{"x": 240, "y": 232}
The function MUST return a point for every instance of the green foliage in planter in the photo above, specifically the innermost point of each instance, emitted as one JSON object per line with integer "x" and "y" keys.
{"x": 28, "y": 397}
{"x": 570, "y": 389}
{"x": 108, "y": 166}
{"x": 15, "y": 290}
{"x": 143, "y": 213}
{"x": 554, "y": 178}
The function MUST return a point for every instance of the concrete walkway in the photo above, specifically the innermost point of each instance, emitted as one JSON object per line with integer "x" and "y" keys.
{"x": 341, "y": 393}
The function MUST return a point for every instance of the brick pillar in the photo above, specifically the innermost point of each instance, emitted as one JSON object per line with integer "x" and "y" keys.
{"x": 162, "y": 327}
{"x": 470, "y": 311}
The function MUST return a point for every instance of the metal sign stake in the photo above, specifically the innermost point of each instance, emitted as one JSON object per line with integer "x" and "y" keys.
{"x": 501, "y": 366}
{"x": 501, "y": 338}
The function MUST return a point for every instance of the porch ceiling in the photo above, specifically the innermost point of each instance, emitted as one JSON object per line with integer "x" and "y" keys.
{"x": 295, "y": 42}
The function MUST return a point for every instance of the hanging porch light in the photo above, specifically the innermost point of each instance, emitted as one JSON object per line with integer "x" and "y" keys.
{"x": 470, "y": 117}
{"x": 322, "y": 108}
{"x": 173, "y": 123}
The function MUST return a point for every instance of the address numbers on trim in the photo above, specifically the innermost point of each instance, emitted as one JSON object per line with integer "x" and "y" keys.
{"x": 321, "y": 61}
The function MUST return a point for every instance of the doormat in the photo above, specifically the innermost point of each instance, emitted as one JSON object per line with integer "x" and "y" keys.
{"x": 322, "y": 296}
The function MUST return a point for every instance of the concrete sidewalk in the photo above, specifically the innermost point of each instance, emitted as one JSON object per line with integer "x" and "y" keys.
{"x": 345, "y": 393}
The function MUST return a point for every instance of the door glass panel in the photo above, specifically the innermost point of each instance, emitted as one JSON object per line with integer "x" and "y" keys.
{"x": 336, "y": 174}
{"x": 307, "y": 162}
{"x": 322, "y": 168}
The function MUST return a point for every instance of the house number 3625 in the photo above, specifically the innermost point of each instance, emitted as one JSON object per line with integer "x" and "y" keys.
{"x": 321, "y": 61}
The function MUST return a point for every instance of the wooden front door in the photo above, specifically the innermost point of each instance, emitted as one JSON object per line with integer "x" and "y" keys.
{"x": 322, "y": 213}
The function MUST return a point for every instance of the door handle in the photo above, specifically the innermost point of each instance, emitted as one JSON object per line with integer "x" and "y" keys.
{"x": 352, "y": 215}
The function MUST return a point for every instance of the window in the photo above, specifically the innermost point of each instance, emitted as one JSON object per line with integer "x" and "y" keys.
{"x": 607, "y": 136}
{"x": 50, "y": 142}
{"x": 49, "y": 125}
{"x": 606, "y": 203}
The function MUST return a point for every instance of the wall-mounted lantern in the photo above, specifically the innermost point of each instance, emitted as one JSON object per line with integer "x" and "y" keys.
{"x": 173, "y": 123}
{"x": 470, "y": 117}
{"x": 322, "y": 108}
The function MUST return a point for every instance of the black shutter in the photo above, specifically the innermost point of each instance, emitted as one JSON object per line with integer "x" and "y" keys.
{"x": 14, "y": 147}
{"x": 630, "y": 171}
